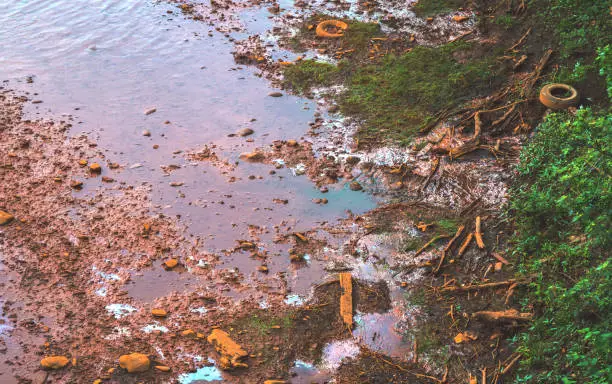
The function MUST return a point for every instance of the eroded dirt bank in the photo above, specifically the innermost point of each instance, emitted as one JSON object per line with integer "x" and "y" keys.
{"x": 431, "y": 296}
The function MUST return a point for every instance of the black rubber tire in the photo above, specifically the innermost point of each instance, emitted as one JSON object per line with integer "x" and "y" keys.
{"x": 554, "y": 102}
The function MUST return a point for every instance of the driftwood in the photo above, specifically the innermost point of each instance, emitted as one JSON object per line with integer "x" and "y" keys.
{"x": 346, "y": 298}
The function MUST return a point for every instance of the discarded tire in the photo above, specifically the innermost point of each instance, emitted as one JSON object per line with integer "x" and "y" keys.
{"x": 321, "y": 30}
{"x": 551, "y": 96}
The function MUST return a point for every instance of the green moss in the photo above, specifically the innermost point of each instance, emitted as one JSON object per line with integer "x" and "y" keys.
{"x": 309, "y": 73}
{"x": 399, "y": 95}
{"x": 448, "y": 226}
{"x": 359, "y": 34}
{"x": 426, "y": 8}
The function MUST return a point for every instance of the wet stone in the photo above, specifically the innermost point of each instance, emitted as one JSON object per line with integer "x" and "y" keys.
{"x": 275, "y": 94}
{"x": 134, "y": 362}
{"x": 355, "y": 186}
{"x": 95, "y": 168}
{"x": 54, "y": 362}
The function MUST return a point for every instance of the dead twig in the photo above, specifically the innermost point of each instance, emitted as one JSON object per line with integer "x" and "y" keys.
{"x": 476, "y": 287}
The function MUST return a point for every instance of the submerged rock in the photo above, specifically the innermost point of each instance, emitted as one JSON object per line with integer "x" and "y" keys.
{"x": 134, "y": 362}
{"x": 245, "y": 132}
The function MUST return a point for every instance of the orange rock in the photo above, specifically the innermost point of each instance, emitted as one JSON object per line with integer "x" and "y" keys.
{"x": 231, "y": 353}
{"x": 158, "y": 312}
{"x": 82, "y": 162}
{"x": 465, "y": 337}
{"x": 292, "y": 143}
{"x": 54, "y": 362}
{"x": 171, "y": 263}
{"x": 5, "y": 218}
{"x": 459, "y": 18}
{"x": 162, "y": 368}
{"x": 134, "y": 362}
{"x": 95, "y": 168}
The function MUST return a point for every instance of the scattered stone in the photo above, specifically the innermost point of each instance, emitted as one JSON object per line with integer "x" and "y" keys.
{"x": 232, "y": 354}
{"x": 75, "y": 184}
{"x": 134, "y": 362}
{"x": 155, "y": 146}
{"x": 171, "y": 263}
{"x": 176, "y": 183}
{"x": 292, "y": 143}
{"x": 150, "y": 111}
{"x": 107, "y": 179}
{"x": 158, "y": 312}
{"x": 245, "y": 132}
{"x": 323, "y": 189}
{"x": 275, "y": 382}
{"x": 134, "y": 166}
{"x": 5, "y": 218}
{"x": 162, "y": 368}
{"x": 54, "y": 362}
{"x": 262, "y": 268}
{"x": 355, "y": 186}
{"x": 146, "y": 133}
{"x": 95, "y": 168}
{"x": 275, "y": 94}
{"x": 189, "y": 333}
{"x": 252, "y": 156}
{"x": 82, "y": 162}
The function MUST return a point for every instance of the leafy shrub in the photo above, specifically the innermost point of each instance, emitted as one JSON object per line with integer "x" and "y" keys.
{"x": 562, "y": 206}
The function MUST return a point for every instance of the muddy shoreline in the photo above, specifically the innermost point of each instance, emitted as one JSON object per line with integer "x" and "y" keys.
{"x": 81, "y": 237}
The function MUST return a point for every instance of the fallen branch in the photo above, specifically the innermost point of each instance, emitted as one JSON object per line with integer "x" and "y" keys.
{"x": 465, "y": 244}
{"x": 510, "y": 314}
{"x": 520, "y": 41}
{"x": 500, "y": 259}
{"x": 476, "y": 287}
{"x": 448, "y": 246}
{"x": 511, "y": 364}
{"x": 528, "y": 90}
{"x": 436, "y": 238}
{"x": 436, "y": 163}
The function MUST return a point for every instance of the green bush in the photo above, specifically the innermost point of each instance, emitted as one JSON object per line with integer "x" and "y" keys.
{"x": 562, "y": 206}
